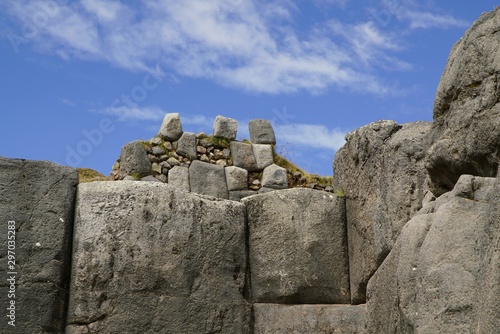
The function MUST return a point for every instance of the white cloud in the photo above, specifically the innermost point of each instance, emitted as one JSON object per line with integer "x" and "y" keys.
{"x": 126, "y": 113}
{"x": 310, "y": 135}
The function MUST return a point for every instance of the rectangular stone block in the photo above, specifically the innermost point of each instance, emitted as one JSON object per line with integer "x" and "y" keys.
{"x": 151, "y": 259}
{"x": 37, "y": 197}
{"x": 208, "y": 179}
{"x": 309, "y": 319}
{"x": 298, "y": 247}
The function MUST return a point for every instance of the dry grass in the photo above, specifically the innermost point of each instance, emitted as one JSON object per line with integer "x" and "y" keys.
{"x": 90, "y": 175}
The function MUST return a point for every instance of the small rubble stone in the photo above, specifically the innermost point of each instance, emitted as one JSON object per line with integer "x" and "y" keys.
{"x": 133, "y": 159}
{"x": 165, "y": 165}
{"x": 156, "y": 168}
{"x": 173, "y": 155}
{"x": 243, "y": 156}
{"x": 162, "y": 178}
{"x": 129, "y": 178}
{"x": 168, "y": 146}
{"x": 157, "y": 150}
{"x": 263, "y": 155}
{"x": 150, "y": 178}
{"x": 208, "y": 179}
{"x": 204, "y": 158}
{"x": 275, "y": 177}
{"x": 221, "y": 162}
{"x": 171, "y": 128}
{"x": 236, "y": 178}
{"x": 155, "y": 141}
{"x": 179, "y": 178}
{"x": 201, "y": 135}
{"x": 173, "y": 162}
{"x": 186, "y": 145}
{"x": 261, "y": 132}
{"x": 164, "y": 171}
{"x": 153, "y": 158}
{"x": 201, "y": 150}
{"x": 225, "y": 127}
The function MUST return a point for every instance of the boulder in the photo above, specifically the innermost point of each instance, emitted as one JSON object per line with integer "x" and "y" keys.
{"x": 236, "y": 178}
{"x": 243, "y": 157}
{"x": 149, "y": 258}
{"x": 225, "y": 127}
{"x": 263, "y": 155}
{"x": 261, "y": 132}
{"x": 298, "y": 247}
{"x": 208, "y": 179}
{"x": 317, "y": 319}
{"x": 466, "y": 125}
{"x": 178, "y": 177}
{"x": 37, "y": 209}
{"x": 134, "y": 160}
{"x": 381, "y": 170}
{"x": 171, "y": 128}
{"x": 275, "y": 177}
{"x": 442, "y": 274}
{"x": 186, "y": 146}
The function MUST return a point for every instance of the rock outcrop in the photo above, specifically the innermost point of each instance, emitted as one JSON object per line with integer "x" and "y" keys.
{"x": 465, "y": 132}
{"x": 36, "y": 214}
{"x": 443, "y": 275}
{"x": 381, "y": 170}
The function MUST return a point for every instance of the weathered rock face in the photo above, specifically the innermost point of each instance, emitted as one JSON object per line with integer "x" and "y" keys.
{"x": 298, "y": 247}
{"x": 148, "y": 258}
{"x": 171, "y": 128}
{"x": 442, "y": 275}
{"x": 39, "y": 197}
{"x": 466, "y": 109}
{"x": 208, "y": 179}
{"x": 381, "y": 170}
{"x": 317, "y": 319}
{"x": 134, "y": 160}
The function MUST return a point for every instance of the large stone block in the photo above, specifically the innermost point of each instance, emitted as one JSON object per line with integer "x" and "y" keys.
{"x": 243, "y": 157}
{"x": 263, "y": 155}
{"x": 309, "y": 319}
{"x": 171, "y": 128}
{"x": 381, "y": 170}
{"x": 186, "y": 146}
{"x": 261, "y": 132}
{"x": 178, "y": 177}
{"x": 442, "y": 275}
{"x": 236, "y": 178}
{"x": 134, "y": 160}
{"x": 298, "y": 247}
{"x": 208, "y": 179}
{"x": 225, "y": 127}
{"x": 275, "y": 177}
{"x": 39, "y": 198}
{"x": 151, "y": 259}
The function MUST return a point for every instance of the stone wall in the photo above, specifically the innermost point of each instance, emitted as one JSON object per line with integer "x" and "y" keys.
{"x": 215, "y": 165}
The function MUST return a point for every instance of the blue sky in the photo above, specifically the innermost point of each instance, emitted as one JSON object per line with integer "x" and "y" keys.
{"x": 83, "y": 78}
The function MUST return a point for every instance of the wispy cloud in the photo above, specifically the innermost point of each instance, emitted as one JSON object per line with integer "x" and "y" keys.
{"x": 127, "y": 113}
{"x": 253, "y": 45}
{"x": 311, "y": 135}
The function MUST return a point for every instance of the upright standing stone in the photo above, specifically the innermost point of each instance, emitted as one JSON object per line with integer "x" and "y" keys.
{"x": 134, "y": 160}
{"x": 157, "y": 260}
{"x": 225, "y": 127}
{"x": 237, "y": 178}
{"x": 171, "y": 128}
{"x": 275, "y": 177}
{"x": 298, "y": 247}
{"x": 186, "y": 146}
{"x": 263, "y": 155}
{"x": 261, "y": 132}
{"x": 243, "y": 157}
{"x": 178, "y": 177}
{"x": 37, "y": 208}
{"x": 208, "y": 179}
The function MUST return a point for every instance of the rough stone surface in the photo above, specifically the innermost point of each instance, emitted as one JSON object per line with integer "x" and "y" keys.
{"x": 238, "y": 195}
{"x": 151, "y": 259}
{"x": 150, "y": 178}
{"x": 309, "y": 319}
{"x": 275, "y": 177}
{"x": 243, "y": 156}
{"x": 178, "y": 177}
{"x": 236, "y": 178}
{"x": 171, "y": 128}
{"x": 186, "y": 146}
{"x": 381, "y": 170}
{"x": 466, "y": 109}
{"x": 442, "y": 275}
{"x": 225, "y": 127}
{"x": 208, "y": 179}
{"x": 261, "y": 132}
{"x": 39, "y": 196}
{"x": 298, "y": 247}
{"x": 263, "y": 155}
{"x": 134, "y": 160}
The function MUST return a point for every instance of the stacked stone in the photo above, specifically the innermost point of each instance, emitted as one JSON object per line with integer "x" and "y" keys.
{"x": 215, "y": 165}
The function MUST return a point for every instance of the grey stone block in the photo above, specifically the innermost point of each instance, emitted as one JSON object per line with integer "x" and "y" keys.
{"x": 275, "y": 177}
{"x": 298, "y": 247}
{"x": 178, "y": 177}
{"x": 263, "y": 155}
{"x": 186, "y": 146}
{"x": 134, "y": 160}
{"x": 238, "y": 195}
{"x": 243, "y": 157}
{"x": 236, "y": 178}
{"x": 157, "y": 260}
{"x": 261, "y": 132}
{"x": 39, "y": 197}
{"x": 208, "y": 179}
{"x": 225, "y": 127}
{"x": 171, "y": 128}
